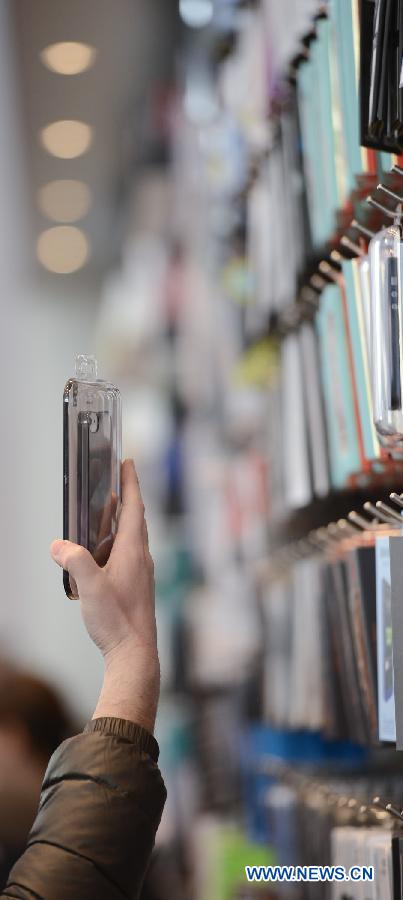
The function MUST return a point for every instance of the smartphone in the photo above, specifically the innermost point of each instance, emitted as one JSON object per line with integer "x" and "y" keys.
{"x": 92, "y": 456}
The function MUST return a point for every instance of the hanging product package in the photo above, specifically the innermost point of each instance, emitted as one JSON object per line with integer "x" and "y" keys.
{"x": 396, "y": 589}
{"x": 338, "y": 386}
{"x": 357, "y": 307}
{"x": 91, "y": 463}
{"x": 384, "y": 641}
{"x": 386, "y": 257}
{"x": 380, "y": 71}
{"x": 361, "y": 580}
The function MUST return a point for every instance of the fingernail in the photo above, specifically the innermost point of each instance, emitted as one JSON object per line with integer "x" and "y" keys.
{"x": 56, "y": 548}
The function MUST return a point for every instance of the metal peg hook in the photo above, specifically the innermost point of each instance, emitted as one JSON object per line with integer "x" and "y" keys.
{"x": 388, "y": 511}
{"x": 387, "y": 807}
{"x": 389, "y": 193}
{"x": 335, "y": 533}
{"x": 351, "y": 245}
{"x": 361, "y": 522}
{"x": 317, "y": 282}
{"x": 347, "y": 527}
{"x": 331, "y": 263}
{"x": 376, "y": 511}
{"x": 317, "y": 541}
{"x": 362, "y": 229}
{"x": 397, "y": 498}
{"x": 397, "y": 813}
{"x": 329, "y": 272}
{"x": 388, "y": 212}
{"x": 308, "y": 295}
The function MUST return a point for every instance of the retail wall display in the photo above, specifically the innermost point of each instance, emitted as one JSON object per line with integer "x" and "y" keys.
{"x": 308, "y": 175}
{"x": 287, "y": 363}
{"x": 331, "y": 609}
{"x": 285, "y": 231}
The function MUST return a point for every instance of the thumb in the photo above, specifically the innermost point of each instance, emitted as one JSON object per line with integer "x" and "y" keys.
{"x": 77, "y": 561}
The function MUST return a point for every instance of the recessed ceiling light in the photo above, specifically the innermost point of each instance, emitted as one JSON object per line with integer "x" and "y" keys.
{"x": 63, "y": 249}
{"x": 68, "y": 57}
{"x": 66, "y": 200}
{"x": 66, "y": 138}
{"x": 196, "y": 13}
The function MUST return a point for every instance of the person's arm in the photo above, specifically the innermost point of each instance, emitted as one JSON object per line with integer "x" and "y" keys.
{"x": 103, "y": 795}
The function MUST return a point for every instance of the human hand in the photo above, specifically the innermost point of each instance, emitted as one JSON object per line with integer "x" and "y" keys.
{"x": 117, "y": 604}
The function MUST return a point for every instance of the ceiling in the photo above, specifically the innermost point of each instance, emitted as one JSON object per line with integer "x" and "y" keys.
{"x": 119, "y": 97}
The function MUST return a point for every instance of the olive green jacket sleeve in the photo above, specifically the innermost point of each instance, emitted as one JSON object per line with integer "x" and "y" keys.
{"x": 100, "y": 808}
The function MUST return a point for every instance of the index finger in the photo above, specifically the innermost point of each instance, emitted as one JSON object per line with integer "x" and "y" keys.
{"x": 131, "y": 518}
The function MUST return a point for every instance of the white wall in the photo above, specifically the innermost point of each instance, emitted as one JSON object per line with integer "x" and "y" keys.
{"x": 41, "y": 328}
{"x": 50, "y": 633}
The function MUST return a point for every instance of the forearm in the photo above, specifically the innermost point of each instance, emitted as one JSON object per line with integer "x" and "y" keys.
{"x": 101, "y": 805}
{"x": 130, "y": 687}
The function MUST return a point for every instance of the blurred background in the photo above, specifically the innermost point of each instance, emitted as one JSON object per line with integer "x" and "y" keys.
{"x": 162, "y": 205}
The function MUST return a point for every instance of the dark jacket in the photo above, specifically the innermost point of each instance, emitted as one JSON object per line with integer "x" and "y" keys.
{"x": 101, "y": 804}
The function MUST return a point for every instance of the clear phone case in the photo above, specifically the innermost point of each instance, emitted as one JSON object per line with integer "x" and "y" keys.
{"x": 92, "y": 463}
{"x": 386, "y": 266}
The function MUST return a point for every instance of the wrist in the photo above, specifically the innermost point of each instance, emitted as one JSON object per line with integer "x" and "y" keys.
{"x": 131, "y": 684}
{"x": 122, "y": 728}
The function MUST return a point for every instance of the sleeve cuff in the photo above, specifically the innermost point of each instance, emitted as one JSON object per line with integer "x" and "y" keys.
{"x": 127, "y": 731}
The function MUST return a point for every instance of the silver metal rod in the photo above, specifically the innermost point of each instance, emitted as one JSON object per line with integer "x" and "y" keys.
{"x": 393, "y": 811}
{"x": 361, "y": 522}
{"x": 369, "y": 507}
{"x": 375, "y": 203}
{"x": 397, "y": 498}
{"x": 389, "y": 512}
{"x": 355, "y": 248}
{"x": 366, "y": 231}
{"x": 346, "y": 526}
{"x": 334, "y": 531}
{"x": 386, "y": 190}
{"x": 317, "y": 282}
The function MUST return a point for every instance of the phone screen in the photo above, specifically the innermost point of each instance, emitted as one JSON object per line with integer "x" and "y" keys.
{"x": 96, "y": 504}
